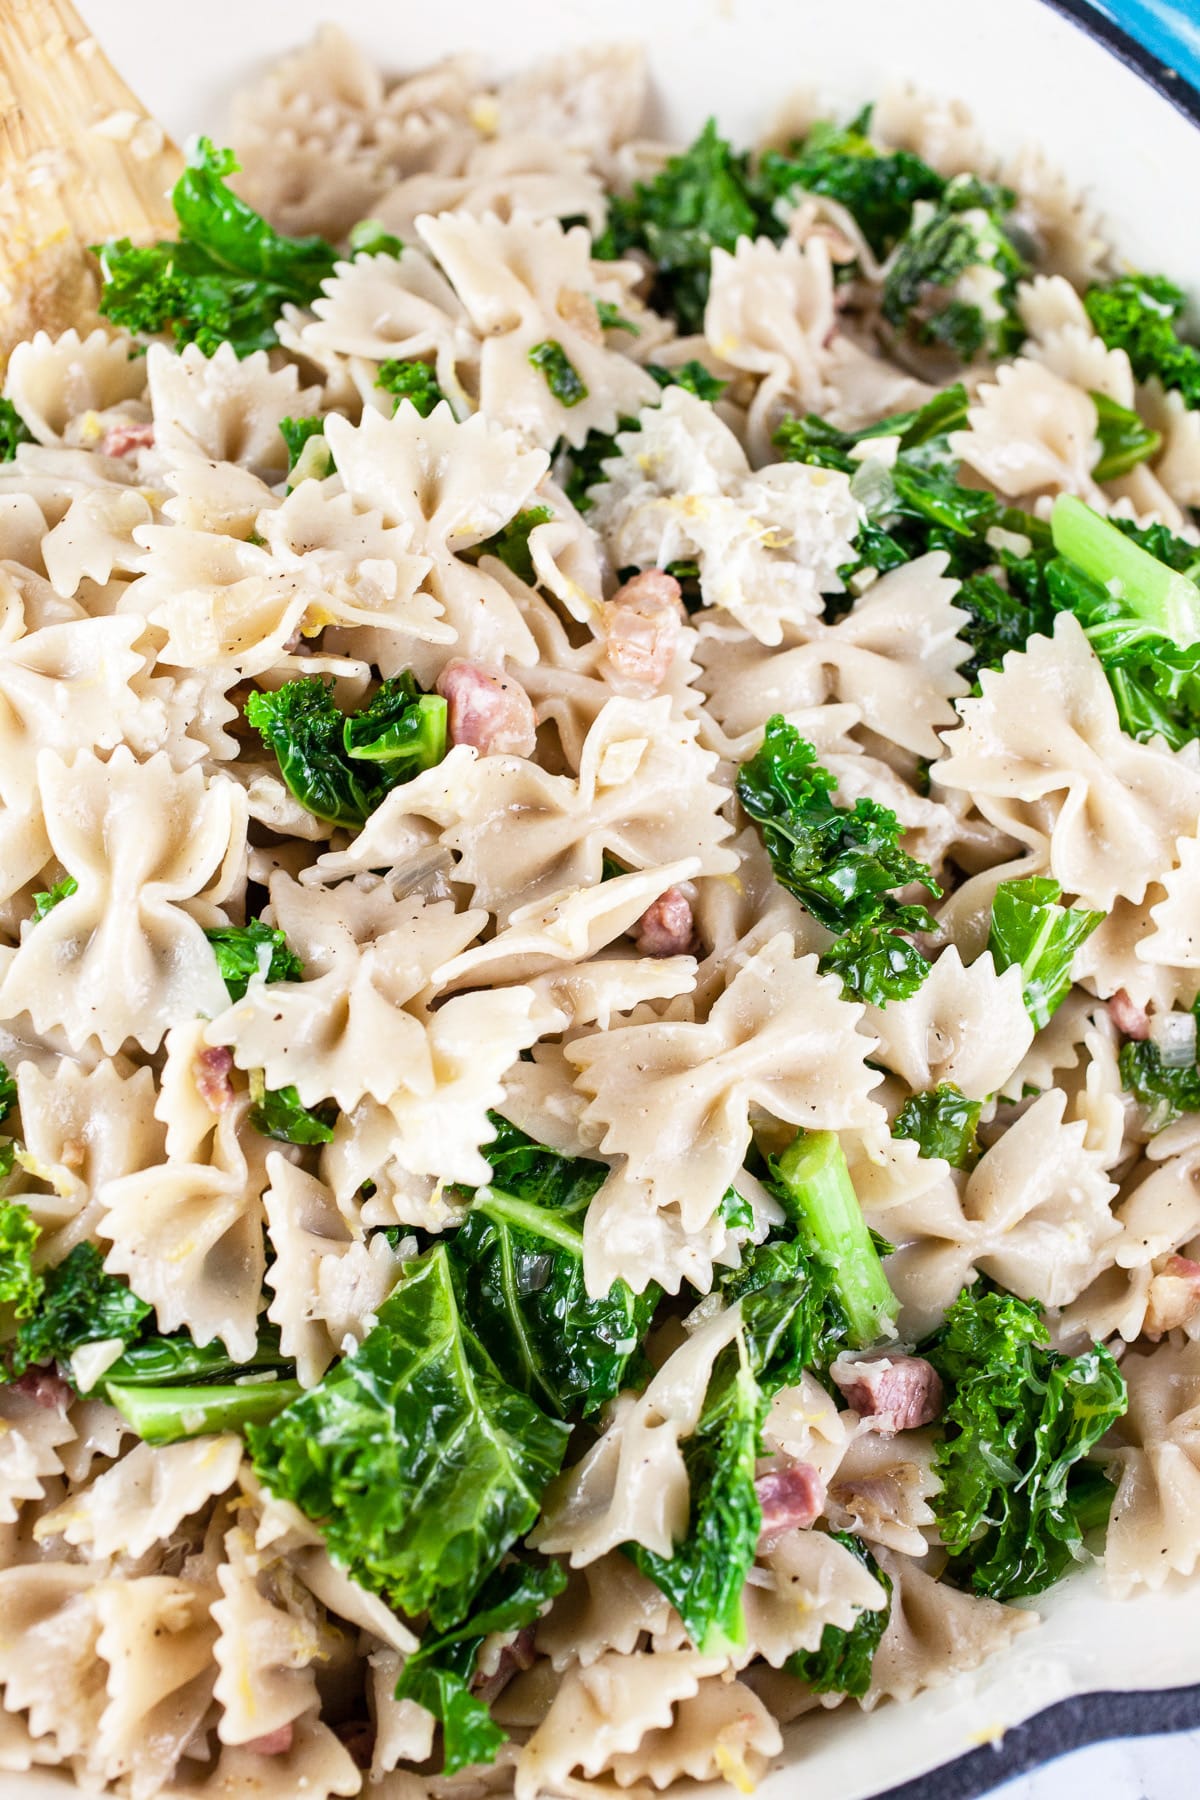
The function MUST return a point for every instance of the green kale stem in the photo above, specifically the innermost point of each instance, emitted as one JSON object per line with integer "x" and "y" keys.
{"x": 164, "y": 1415}
{"x": 1164, "y": 598}
{"x": 821, "y": 1196}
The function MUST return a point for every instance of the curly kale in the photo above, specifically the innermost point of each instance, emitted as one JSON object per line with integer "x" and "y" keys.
{"x": 340, "y": 766}
{"x": 1016, "y": 1495}
{"x": 227, "y": 277}
{"x": 842, "y": 863}
{"x": 1139, "y": 314}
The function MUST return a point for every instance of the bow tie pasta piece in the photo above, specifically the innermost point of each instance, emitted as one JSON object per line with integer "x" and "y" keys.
{"x": 625, "y": 1239}
{"x": 65, "y": 387}
{"x": 565, "y": 928}
{"x": 771, "y": 313}
{"x": 934, "y": 1632}
{"x": 146, "y": 1496}
{"x": 1035, "y": 1215}
{"x": 528, "y": 287}
{"x": 118, "y": 1670}
{"x": 453, "y": 486}
{"x": 70, "y": 687}
{"x": 30, "y": 1438}
{"x": 632, "y": 1485}
{"x": 83, "y": 1128}
{"x": 645, "y": 793}
{"x": 966, "y": 1026}
{"x": 384, "y": 308}
{"x": 1045, "y": 735}
{"x": 1153, "y": 1532}
{"x": 768, "y": 542}
{"x": 188, "y": 1235}
{"x": 804, "y": 1582}
{"x": 894, "y": 658}
{"x": 153, "y": 853}
{"x": 606, "y": 1606}
{"x": 647, "y": 1716}
{"x": 326, "y": 1279}
{"x": 592, "y": 98}
{"x": 346, "y": 1033}
{"x": 675, "y": 1099}
{"x": 1032, "y": 433}
{"x": 228, "y": 410}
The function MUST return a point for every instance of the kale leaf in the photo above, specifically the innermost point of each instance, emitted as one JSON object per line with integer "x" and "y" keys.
{"x": 1030, "y": 929}
{"x": 419, "y": 1462}
{"x": 842, "y": 1662}
{"x": 945, "y": 241}
{"x": 879, "y": 188}
{"x": 226, "y": 279}
{"x": 812, "y": 1180}
{"x": 171, "y": 1388}
{"x": 278, "y": 1113}
{"x": 20, "y": 1283}
{"x": 1139, "y": 314}
{"x": 518, "y": 1271}
{"x": 562, "y": 377}
{"x": 511, "y": 543}
{"x": 243, "y": 951}
{"x": 309, "y": 456}
{"x": 842, "y": 863}
{"x": 341, "y": 766}
{"x": 78, "y": 1304}
{"x": 1014, "y": 1502}
{"x": 942, "y": 1123}
{"x": 1124, "y": 440}
{"x": 1134, "y": 594}
{"x": 705, "y": 1574}
{"x": 705, "y": 197}
{"x": 437, "y": 1675}
{"x": 412, "y": 380}
{"x": 44, "y": 903}
{"x": 13, "y": 431}
{"x": 370, "y": 237}
{"x": 1166, "y": 1090}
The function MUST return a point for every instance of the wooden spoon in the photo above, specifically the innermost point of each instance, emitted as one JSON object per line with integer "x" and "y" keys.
{"x": 81, "y": 160}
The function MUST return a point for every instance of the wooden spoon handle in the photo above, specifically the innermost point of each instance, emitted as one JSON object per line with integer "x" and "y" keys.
{"x": 80, "y": 160}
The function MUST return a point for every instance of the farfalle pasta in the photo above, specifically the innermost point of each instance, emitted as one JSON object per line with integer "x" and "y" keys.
{"x": 599, "y": 1103}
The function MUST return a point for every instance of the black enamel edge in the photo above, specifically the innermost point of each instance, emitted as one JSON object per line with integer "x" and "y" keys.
{"x": 1070, "y": 1725}
{"x": 1120, "y": 43}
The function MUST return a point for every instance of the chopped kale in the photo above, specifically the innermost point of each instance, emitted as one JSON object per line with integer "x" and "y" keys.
{"x": 942, "y": 1123}
{"x": 1139, "y": 314}
{"x": 1031, "y": 929}
{"x": 511, "y": 544}
{"x": 438, "y": 1674}
{"x": 341, "y": 766}
{"x": 562, "y": 377}
{"x": 243, "y": 951}
{"x": 44, "y": 903}
{"x": 880, "y": 188}
{"x": 13, "y": 431}
{"x": 77, "y": 1304}
{"x": 364, "y": 1453}
{"x": 411, "y": 380}
{"x": 706, "y": 197}
{"x": 1014, "y": 1501}
{"x": 842, "y": 863}
{"x": 227, "y": 278}
{"x": 842, "y": 1663}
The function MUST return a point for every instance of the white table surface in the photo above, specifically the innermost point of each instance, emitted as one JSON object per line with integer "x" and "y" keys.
{"x": 1150, "y": 1768}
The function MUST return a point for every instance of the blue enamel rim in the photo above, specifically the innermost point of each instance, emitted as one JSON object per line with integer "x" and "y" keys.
{"x": 1085, "y": 1718}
